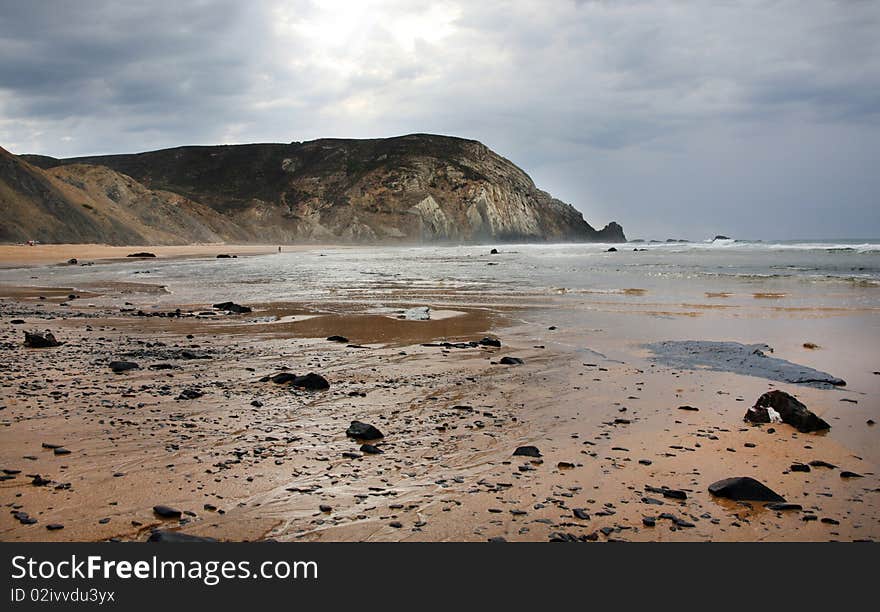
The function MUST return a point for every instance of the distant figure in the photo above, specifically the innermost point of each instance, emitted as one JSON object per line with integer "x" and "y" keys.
{"x": 279, "y": 249}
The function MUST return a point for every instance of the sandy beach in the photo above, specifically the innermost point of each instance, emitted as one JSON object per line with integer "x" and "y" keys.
{"x": 16, "y": 255}
{"x": 197, "y": 427}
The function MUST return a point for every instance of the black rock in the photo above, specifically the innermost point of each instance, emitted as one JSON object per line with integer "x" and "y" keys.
{"x": 744, "y": 488}
{"x": 282, "y": 378}
{"x": 54, "y": 526}
{"x": 312, "y": 382}
{"x": 493, "y": 252}
{"x": 847, "y": 474}
{"x": 325, "y": 508}
{"x": 161, "y": 366}
{"x": 224, "y": 256}
{"x": 690, "y": 408}
{"x": 167, "y": 512}
{"x": 799, "y": 467}
{"x": 527, "y": 451}
{"x": 60, "y": 451}
{"x": 121, "y": 366}
{"x": 789, "y": 409}
{"x": 37, "y": 340}
{"x": 487, "y": 341}
{"x": 257, "y": 404}
{"x": 371, "y": 450}
{"x": 649, "y": 521}
{"x": 824, "y": 464}
{"x": 141, "y": 254}
{"x": 674, "y": 494}
{"x": 232, "y": 307}
{"x": 17, "y": 322}
{"x": 190, "y": 394}
{"x": 342, "y": 339}
{"x": 174, "y": 537}
{"x": 781, "y": 506}
{"x": 581, "y": 514}
{"x": 363, "y": 431}
{"x": 511, "y": 361}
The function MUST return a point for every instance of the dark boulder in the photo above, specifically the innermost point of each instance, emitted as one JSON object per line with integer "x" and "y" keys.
{"x": 744, "y": 488}
{"x": 511, "y": 361}
{"x": 611, "y": 250}
{"x": 341, "y": 339}
{"x": 363, "y": 431}
{"x": 190, "y": 394}
{"x": 369, "y": 449}
{"x": 282, "y": 378}
{"x": 312, "y": 382}
{"x": 493, "y": 252}
{"x": 527, "y": 451}
{"x": 167, "y": 512}
{"x": 37, "y": 340}
{"x": 777, "y": 405}
{"x": 174, "y": 537}
{"x": 232, "y": 307}
{"x": 487, "y": 341}
{"x": 122, "y": 366}
{"x": 141, "y": 254}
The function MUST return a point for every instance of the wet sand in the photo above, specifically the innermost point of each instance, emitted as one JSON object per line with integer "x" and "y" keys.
{"x": 251, "y": 460}
{"x": 17, "y": 255}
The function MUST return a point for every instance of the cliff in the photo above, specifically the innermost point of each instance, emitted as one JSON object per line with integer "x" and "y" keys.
{"x": 416, "y": 188}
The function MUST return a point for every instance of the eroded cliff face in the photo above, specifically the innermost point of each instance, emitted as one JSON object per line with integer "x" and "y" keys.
{"x": 417, "y": 188}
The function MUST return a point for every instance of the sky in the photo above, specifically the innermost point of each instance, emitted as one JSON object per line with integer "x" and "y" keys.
{"x": 752, "y": 119}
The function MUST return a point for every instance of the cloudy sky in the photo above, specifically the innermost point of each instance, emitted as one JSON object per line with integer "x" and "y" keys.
{"x": 752, "y": 119}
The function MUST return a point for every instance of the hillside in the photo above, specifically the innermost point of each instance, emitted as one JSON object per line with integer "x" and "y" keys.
{"x": 417, "y": 188}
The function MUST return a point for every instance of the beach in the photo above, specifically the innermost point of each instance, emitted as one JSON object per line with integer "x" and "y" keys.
{"x": 628, "y": 438}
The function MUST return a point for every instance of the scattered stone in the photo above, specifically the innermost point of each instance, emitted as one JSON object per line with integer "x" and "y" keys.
{"x": 487, "y": 341}
{"x": 341, "y": 339}
{"x": 312, "y": 382}
{"x": 581, "y": 514}
{"x": 54, "y": 526}
{"x": 690, "y": 408}
{"x": 511, "y": 361}
{"x": 142, "y": 254}
{"x": 363, "y": 431}
{"x": 173, "y": 537}
{"x": 799, "y": 467}
{"x": 167, "y": 512}
{"x": 778, "y": 406}
{"x": 527, "y": 451}
{"x": 123, "y": 366}
{"x": 190, "y": 394}
{"x": 325, "y": 508}
{"x": 744, "y": 488}
{"x": 369, "y": 449}
{"x": 824, "y": 464}
{"x": 60, "y": 451}
{"x": 783, "y": 506}
{"x": 232, "y": 307}
{"x": 848, "y": 474}
{"x": 38, "y": 340}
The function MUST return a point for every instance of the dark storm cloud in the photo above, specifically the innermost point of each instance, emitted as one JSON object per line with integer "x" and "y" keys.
{"x": 673, "y": 118}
